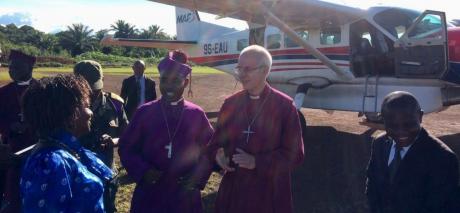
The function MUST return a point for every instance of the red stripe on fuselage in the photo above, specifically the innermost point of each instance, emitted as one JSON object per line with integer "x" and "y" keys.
{"x": 328, "y": 50}
{"x": 305, "y": 63}
{"x": 299, "y": 68}
{"x": 214, "y": 58}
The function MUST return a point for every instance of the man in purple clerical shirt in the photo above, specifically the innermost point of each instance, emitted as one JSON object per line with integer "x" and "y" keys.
{"x": 13, "y": 129}
{"x": 258, "y": 142}
{"x": 162, "y": 144}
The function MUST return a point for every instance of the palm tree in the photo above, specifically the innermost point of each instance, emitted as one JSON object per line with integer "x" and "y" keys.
{"x": 77, "y": 39}
{"x": 101, "y": 33}
{"x": 123, "y": 29}
{"x": 157, "y": 32}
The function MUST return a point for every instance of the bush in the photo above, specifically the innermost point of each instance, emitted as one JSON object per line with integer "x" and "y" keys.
{"x": 53, "y": 59}
{"x": 113, "y": 60}
{"x": 49, "y": 64}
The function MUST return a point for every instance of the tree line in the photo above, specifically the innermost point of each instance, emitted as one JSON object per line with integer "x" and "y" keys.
{"x": 78, "y": 39}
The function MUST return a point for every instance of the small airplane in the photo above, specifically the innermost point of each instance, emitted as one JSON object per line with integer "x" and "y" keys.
{"x": 325, "y": 55}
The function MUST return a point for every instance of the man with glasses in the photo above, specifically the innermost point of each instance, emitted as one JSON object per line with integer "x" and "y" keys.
{"x": 409, "y": 170}
{"x": 258, "y": 142}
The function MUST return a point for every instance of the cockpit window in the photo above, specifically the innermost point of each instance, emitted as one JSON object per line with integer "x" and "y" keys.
{"x": 429, "y": 27}
{"x": 396, "y": 21}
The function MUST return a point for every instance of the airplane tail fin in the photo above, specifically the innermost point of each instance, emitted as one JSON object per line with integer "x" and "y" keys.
{"x": 187, "y": 24}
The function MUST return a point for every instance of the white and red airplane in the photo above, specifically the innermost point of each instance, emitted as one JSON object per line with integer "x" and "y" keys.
{"x": 326, "y": 55}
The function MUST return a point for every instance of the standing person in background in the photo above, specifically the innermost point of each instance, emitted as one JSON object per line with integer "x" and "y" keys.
{"x": 13, "y": 129}
{"x": 162, "y": 144}
{"x": 137, "y": 89}
{"x": 108, "y": 121}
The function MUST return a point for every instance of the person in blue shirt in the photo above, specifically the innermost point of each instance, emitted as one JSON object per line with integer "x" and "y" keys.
{"x": 60, "y": 175}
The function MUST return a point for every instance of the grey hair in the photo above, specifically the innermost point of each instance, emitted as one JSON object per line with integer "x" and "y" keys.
{"x": 266, "y": 58}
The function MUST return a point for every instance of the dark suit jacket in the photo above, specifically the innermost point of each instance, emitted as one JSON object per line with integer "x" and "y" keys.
{"x": 129, "y": 94}
{"x": 426, "y": 178}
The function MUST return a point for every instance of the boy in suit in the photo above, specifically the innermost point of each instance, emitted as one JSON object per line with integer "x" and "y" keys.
{"x": 409, "y": 170}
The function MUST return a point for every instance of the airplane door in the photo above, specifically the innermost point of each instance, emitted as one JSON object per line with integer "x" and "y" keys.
{"x": 256, "y": 34}
{"x": 421, "y": 52}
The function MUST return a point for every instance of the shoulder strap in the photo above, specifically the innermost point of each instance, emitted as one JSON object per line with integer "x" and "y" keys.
{"x": 115, "y": 103}
{"x": 115, "y": 97}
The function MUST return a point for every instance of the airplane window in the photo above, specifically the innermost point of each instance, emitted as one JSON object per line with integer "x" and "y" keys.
{"x": 331, "y": 35}
{"x": 241, "y": 44}
{"x": 396, "y": 20}
{"x": 288, "y": 42}
{"x": 400, "y": 30}
{"x": 274, "y": 41}
{"x": 429, "y": 27}
{"x": 367, "y": 36}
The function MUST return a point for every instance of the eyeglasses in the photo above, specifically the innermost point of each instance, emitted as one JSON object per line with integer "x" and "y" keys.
{"x": 247, "y": 70}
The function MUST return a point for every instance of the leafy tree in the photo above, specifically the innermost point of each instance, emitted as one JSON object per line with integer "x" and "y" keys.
{"x": 153, "y": 32}
{"x": 101, "y": 33}
{"x": 77, "y": 39}
{"x": 49, "y": 44}
{"x": 123, "y": 29}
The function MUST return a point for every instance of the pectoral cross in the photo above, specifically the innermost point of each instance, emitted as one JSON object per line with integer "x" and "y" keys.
{"x": 247, "y": 132}
{"x": 21, "y": 117}
{"x": 169, "y": 148}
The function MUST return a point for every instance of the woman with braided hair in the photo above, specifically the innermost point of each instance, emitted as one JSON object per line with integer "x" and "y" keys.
{"x": 60, "y": 175}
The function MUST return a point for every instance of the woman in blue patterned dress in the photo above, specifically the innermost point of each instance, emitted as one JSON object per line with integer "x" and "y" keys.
{"x": 60, "y": 175}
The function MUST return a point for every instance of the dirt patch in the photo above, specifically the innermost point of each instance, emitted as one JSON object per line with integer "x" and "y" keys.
{"x": 332, "y": 176}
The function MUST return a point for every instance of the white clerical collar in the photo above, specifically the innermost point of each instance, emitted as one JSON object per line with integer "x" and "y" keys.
{"x": 254, "y": 97}
{"x": 24, "y": 83}
{"x": 175, "y": 103}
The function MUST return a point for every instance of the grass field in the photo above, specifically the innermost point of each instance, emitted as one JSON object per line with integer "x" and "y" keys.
{"x": 45, "y": 71}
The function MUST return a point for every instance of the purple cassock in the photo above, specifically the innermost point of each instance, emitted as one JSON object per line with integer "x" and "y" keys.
{"x": 269, "y": 129}
{"x": 145, "y": 144}
{"x": 10, "y": 115}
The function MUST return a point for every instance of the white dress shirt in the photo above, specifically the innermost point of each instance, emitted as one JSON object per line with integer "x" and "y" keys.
{"x": 403, "y": 153}
{"x": 141, "y": 80}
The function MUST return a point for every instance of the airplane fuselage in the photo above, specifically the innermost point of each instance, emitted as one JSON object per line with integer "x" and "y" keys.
{"x": 294, "y": 66}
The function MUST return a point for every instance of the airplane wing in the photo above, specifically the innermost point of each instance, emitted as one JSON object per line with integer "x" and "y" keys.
{"x": 284, "y": 14}
{"x": 108, "y": 40}
{"x": 308, "y": 13}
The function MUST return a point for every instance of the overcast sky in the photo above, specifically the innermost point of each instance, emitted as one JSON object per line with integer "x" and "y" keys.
{"x": 55, "y": 15}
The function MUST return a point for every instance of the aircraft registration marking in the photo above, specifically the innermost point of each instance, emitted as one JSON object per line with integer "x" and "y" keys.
{"x": 215, "y": 48}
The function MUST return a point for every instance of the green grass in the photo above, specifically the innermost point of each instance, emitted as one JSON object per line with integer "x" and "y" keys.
{"x": 46, "y": 71}
{"x": 5, "y": 77}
